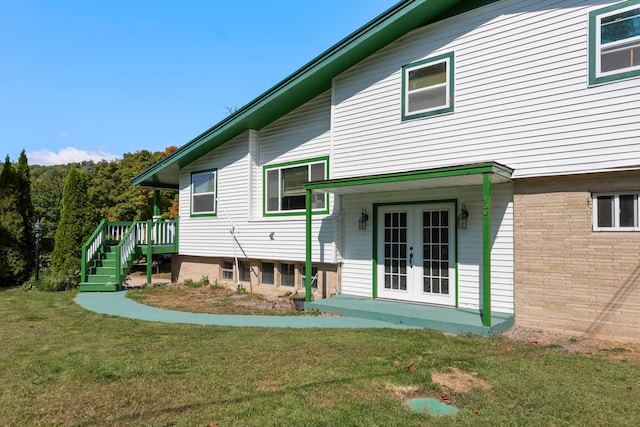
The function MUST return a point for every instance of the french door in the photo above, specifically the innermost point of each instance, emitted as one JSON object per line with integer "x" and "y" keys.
{"x": 416, "y": 253}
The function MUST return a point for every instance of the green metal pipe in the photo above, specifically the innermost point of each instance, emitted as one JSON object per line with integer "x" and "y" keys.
{"x": 308, "y": 231}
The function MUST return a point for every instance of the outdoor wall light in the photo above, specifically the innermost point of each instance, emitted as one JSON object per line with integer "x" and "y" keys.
{"x": 362, "y": 222}
{"x": 462, "y": 217}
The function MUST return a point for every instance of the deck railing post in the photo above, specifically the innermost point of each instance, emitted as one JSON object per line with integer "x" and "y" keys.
{"x": 149, "y": 250}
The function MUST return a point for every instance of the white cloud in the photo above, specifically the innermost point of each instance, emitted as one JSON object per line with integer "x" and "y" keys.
{"x": 66, "y": 155}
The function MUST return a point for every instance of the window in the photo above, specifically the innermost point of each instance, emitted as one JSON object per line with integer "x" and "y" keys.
{"x": 314, "y": 277}
{"x": 615, "y": 212}
{"x": 614, "y": 42}
{"x": 245, "y": 271}
{"x": 268, "y": 277}
{"x": 203, "y": 193}
{"x": 284, "y": 186}
{"x": 287, "y": 274}
{"x": 427, "y": 87}
{"x": 227, "y": 271}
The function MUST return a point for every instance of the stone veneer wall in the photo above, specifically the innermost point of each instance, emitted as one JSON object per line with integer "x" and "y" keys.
{"x": 569, "y": 278}
{"x": 194, "y": 267}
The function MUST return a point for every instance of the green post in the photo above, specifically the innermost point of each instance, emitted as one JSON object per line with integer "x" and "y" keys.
{"x": 176, "y": 242}
{"x": 308, "y": 267}
{"x": 118, "y": 267}
{"x": 149, "y": 251}
{"x": 156, "y": 203}
{"x": 486, "y": 249}
{"x": 83, "y": 264}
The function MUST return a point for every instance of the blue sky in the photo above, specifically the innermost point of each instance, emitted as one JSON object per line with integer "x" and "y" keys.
{"x": 93, "y": 80}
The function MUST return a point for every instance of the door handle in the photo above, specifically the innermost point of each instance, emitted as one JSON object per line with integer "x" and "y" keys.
{"x": 411, "y": 257}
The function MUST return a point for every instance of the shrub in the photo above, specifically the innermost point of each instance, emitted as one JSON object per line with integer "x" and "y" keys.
{"x": 204, "y": 281}
{"x": 55, "y": 281}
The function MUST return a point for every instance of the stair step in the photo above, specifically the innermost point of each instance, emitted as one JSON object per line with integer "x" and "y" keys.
{"x": 101, "y": 278}
{"x": 104, "y": 287}
{"x": 104, "y": 271}
{"x": 104, "y": 263}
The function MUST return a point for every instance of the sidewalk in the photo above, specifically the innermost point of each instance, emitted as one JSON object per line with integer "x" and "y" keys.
{"x": 117, "y": 304}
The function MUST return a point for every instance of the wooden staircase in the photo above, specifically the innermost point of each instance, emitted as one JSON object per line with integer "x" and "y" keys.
{"x": 108, "y": 254}
{"x": 101, "y": 274}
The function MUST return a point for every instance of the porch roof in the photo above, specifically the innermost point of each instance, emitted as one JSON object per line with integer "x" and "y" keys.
{"x": 451, "y": 176}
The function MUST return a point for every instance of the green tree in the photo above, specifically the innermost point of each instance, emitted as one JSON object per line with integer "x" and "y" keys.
{"x": 14, "y": 267}
{"x": 76, "y": 223}
{"x": 47, "y": 184}
{"x": 25, "y": 208}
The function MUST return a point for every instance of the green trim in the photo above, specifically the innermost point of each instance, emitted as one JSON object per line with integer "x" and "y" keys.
{"x": 308, "y": 248}
{"x": 486, "y": 249}
{"x": 374, "y": 248}
{"x": 156, "y": 202}
{"x": 593, "y": 49}
{"x": 306, "y": 83}
{"x": 471, "y": 169}
{"x": 285, "y": 165}
{"x": 215, "y": 193}
{"x": 450, "y": 83}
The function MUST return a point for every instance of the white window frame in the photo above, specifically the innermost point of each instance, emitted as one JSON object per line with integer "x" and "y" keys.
{"x": 616, "y": 211}
{"x": 447, "y": 107}
{"x": 596, "y": 44}
{"x": 317, "y": 197}
{"x": 214, "y": 176}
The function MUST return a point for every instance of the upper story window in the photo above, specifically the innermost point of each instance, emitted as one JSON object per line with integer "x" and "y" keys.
{"x": 203, "y": 192}
{"x": 427, "y": 87}
{"x": 614, "y": 42}
{"x": 615, "y": 212}
{"x": 284, "y": 186}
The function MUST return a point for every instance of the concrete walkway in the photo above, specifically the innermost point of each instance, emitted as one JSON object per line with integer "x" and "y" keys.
{"x": 117, "y": 304}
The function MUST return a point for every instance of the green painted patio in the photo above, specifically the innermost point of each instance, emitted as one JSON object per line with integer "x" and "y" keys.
{"x": 351, "y": 312}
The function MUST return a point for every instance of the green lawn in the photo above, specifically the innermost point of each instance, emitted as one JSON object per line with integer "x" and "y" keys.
{"x": 62, "y": 365}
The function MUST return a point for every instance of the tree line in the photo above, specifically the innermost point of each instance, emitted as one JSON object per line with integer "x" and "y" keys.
{"x": 68, "y": 201}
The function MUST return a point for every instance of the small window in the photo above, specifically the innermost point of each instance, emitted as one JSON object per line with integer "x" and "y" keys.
{"x": 268, "y": 276}
{"x": 245, "y": 271}
{"x": 314, "y": 277}
{"x": 287, "y": 274}
{"x": 427, "y": 87}
{"x": 614, "y": 42}
{"x": 227, "y": 271}
{"x": 284, "y": 187}
{"x": 203, "y": 193}
{"x": 615, "y": 212}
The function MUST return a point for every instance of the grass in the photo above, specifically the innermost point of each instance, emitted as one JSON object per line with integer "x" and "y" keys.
{"x": 62, "y": 365}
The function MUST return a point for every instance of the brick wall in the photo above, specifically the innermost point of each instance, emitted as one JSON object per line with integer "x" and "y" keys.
{"x": 192, "y": 267}
{"x": 569, "y": 278}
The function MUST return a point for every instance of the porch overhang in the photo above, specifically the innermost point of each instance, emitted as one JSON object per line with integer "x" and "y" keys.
{"x": 451, "y": 176}
{"x": 480, "y": 174}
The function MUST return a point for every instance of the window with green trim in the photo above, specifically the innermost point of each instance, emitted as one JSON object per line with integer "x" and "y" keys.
{"x": 284, "y": 186}
{"x": 203, "y": 192}
{"x": 614, "y": 42}
{"x": 427, "y": 87}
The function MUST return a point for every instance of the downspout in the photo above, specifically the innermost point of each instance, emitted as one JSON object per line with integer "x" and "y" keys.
{"x": 486, "y": 249}
{"x": 308, "y": 267}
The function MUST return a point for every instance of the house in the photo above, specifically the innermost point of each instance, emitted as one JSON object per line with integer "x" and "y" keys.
{"x": 480, "y": 156}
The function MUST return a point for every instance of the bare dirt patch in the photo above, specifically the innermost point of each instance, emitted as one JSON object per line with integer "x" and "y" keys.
{"x": 458, "y": 381}
{"x": 610, "y": 350}
{"x": 211, "y": 299}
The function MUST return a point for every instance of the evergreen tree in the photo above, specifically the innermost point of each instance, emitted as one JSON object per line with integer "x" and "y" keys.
{"x": 25, "y": 208}
{"x": 13, "y": 264}
{"x": 76, "y": 223}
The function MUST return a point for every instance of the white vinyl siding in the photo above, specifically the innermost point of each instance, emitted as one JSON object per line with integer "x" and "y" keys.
{"x": 239, "y": 172}
{"x": 521, "y": 99}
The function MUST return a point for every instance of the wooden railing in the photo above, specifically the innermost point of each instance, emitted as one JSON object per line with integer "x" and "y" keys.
{"x": 140, "y": 237}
